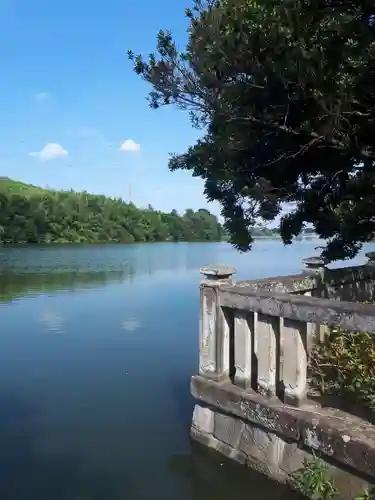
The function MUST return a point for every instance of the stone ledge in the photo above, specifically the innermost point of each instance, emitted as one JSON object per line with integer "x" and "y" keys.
{"x": 351, "y": 316}
{"x": 348, "y": 275}
{"x": 264, "y": 452}
{"x": 281, "y": 284}
{"x": 347, "y": 440}
{"x": 301, "y": 282}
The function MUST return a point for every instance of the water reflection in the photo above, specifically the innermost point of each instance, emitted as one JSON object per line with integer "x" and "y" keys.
{"x": 202, "y": 469}
{"x": 27, "y": 472}
{"x": 103, "y": 411}
{"x": 18, "y": 284}
{"x": 131, "y": 324}
{"x": 52, "y": 321}
{"x": 32, "y": 270}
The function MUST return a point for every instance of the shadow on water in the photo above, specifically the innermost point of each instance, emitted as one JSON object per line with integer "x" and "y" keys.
{"x": 180, "y": 389}
{"x": 211, "y": 476}
{"x": 26, "y": 473}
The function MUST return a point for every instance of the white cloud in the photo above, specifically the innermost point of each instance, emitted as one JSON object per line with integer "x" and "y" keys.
{"x": 51, "y": 151}
{"x": 129, "y": 146}
{"x": 42, "y": 96}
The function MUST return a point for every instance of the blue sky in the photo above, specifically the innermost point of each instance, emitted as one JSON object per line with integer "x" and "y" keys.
{"x": 69, "y": 99}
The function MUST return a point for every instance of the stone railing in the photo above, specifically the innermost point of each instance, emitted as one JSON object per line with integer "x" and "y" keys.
{"x": 260, "y": 338}
{"x": 251, "y": 391}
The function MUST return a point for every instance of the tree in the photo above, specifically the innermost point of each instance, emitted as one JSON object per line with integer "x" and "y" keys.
{"x": 29, "y": 215}
{"x": 285, "y": 94}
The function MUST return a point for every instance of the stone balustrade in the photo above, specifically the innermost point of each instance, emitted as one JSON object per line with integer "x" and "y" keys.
{"x": 255, "y": 339}
{"x": 258, "y": 333}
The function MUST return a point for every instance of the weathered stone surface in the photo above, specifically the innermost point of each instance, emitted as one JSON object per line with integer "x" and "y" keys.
{"x": 347, "y": 440}
{"x": 203, "y": 419}
{"x": 293, "y": 459}
{"x": 207, "y": 331}
{"x": 349, "y": 485}
{"x": 356, "y": 283}
{"x": 347, "y": 315}
{"x": 267, "y": 334}
{"x": 249, "y": 332}
{"x": 211, "y": 441}
{"x": 263, "y": 449}
{"x": 248, "y": 405}
{"x": 244, "y": 332}
{"x": 269, "y": 454}
{"x": 217, "y": 272}
{"x": 283, "y": 284}
{"x": 314, "y": 265}
{"x": 213, "y": 334}
{"x": 294, "y": 341}
{"x": 227, "y": 429}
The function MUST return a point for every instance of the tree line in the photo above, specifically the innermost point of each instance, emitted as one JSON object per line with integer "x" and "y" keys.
{"x": 43, "y": 217}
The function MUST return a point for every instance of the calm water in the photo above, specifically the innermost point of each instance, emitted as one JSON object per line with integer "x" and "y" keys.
{"x": 97, "y": 347}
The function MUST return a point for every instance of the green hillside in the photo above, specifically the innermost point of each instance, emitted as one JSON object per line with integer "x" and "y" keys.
{"x": 16, "y": 187}
{"x": 30, "y": 214}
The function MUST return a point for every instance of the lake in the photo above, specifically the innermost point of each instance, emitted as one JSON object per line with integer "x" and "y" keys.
{"x": 97, "y": 347}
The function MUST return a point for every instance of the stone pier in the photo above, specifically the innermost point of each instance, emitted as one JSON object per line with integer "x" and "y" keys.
{"x": 251, "y": 392}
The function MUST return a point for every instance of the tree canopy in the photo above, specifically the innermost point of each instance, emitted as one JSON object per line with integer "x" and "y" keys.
{"x": 29, "y": 214}
{"x": 284, "y": 91}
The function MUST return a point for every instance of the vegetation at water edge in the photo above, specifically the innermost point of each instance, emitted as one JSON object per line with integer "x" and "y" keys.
{"x": 29, "y": 214}
{"x": 313, "y": 482}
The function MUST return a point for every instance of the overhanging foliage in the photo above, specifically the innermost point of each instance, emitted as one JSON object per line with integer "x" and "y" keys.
{"x": 285, "y": 93}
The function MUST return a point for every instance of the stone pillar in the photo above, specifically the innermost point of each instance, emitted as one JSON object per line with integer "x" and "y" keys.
{"x": 294, "y": 360}
{"x": 214, "y": 348}
{"x": 202, "y": 423}
{"x": 266, "y": 340}
{"x": 371, "y": 259}
{"x": 243, "y": 344}
{"x": 315, "y": 266}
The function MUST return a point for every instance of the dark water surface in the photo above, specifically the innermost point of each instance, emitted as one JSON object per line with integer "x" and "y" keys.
{"x": 97, "y": 347}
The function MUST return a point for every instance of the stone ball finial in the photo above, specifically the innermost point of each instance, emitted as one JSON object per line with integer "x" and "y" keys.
{"x": 217, "y": 273}
{"x": 371, "y": 258}
{"x": 314, "y": 265}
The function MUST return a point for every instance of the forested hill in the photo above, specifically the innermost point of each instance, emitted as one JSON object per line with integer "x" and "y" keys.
{"x": 29, "y": 214}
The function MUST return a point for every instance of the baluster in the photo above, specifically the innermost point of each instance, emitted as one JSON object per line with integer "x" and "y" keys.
{"x": 243, "y": 331}
{"x": 266, "y": 330}
{"x": 294, "y": 360}
{"x": 315, "y": 266}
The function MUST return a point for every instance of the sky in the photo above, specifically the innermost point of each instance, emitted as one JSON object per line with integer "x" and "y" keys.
{"x": 73, "y": 113}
